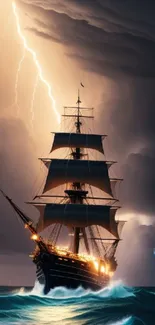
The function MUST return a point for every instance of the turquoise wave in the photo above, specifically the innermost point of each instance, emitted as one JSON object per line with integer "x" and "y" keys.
{"x": 114, "y": 305}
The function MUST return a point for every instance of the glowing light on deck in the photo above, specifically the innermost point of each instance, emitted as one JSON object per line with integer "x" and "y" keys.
{"x": 34, "y": 237}
{"x": 103, "y": 268}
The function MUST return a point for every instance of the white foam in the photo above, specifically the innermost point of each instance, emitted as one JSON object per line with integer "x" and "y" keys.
{"x": 116, "y": 289}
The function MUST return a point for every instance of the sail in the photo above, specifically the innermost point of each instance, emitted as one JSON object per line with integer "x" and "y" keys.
{"x": 77, "y": 140}
{"x": 75, "y": 215}
{"x": 114, "y": 182}
{"x": 121, "y": 224}
{"x": 61, "y": 171}
{"x": 116, "y": 227}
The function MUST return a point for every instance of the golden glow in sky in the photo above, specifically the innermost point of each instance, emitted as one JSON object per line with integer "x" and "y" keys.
{"x": 35, "y": 59}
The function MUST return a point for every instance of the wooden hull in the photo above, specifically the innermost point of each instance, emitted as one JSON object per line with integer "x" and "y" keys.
{"x": 62, "y": 271}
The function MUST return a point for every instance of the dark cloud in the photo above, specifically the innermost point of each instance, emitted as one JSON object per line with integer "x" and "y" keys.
{"x": 140, "y": 177}
{"x": 111, "y": 16}
{"x": 128, "y": 118}
{"x": 106, "y": 39}
{"x": 136, "y": 260}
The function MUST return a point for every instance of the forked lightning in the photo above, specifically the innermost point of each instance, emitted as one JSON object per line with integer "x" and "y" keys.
{"x": 39, "y": 68}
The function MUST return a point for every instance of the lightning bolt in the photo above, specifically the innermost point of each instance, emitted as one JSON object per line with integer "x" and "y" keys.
{"x": 35, "y": 59}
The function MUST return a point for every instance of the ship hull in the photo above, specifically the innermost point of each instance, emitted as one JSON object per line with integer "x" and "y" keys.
{"x": 55, "y": 271}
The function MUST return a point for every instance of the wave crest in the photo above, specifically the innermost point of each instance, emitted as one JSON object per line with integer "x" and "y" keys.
{"x": 115, "y": 290}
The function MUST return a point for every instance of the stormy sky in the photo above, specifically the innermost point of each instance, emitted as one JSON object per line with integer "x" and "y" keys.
{"x": 109, "y": 45}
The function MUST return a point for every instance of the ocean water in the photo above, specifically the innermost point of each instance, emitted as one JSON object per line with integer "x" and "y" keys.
{"x": 114, "y": 305}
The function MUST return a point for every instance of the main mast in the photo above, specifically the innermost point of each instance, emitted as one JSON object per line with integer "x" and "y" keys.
{"x": 77, "y": 196}
{"x": 76, "y": 193}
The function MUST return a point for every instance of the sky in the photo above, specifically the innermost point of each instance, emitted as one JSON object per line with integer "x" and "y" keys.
{"x": 109, "y": 46}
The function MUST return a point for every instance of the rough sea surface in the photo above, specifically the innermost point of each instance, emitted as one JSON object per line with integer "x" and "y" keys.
{"x": 114, "y": 305}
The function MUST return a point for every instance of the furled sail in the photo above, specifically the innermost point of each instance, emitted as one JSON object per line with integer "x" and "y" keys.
{"x": 75, "y": 215}
{"x": 63, "y": 171}
{"x": 77, "y": 140}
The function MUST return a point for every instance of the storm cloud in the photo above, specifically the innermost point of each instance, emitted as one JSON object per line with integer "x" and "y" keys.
{"x": 106, "y": 38}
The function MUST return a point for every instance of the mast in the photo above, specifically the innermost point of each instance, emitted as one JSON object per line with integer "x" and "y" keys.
{"x": 77, "y": 186}
{"x": 76, "y": 193}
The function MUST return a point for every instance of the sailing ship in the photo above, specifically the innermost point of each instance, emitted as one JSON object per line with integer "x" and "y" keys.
{"x": 90, "y": 219}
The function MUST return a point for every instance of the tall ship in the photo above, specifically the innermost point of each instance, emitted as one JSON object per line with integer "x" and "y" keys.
{"x": 93, "y": 232}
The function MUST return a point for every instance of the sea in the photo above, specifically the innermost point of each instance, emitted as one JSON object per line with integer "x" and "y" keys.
{"x": 115, "y": 305}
